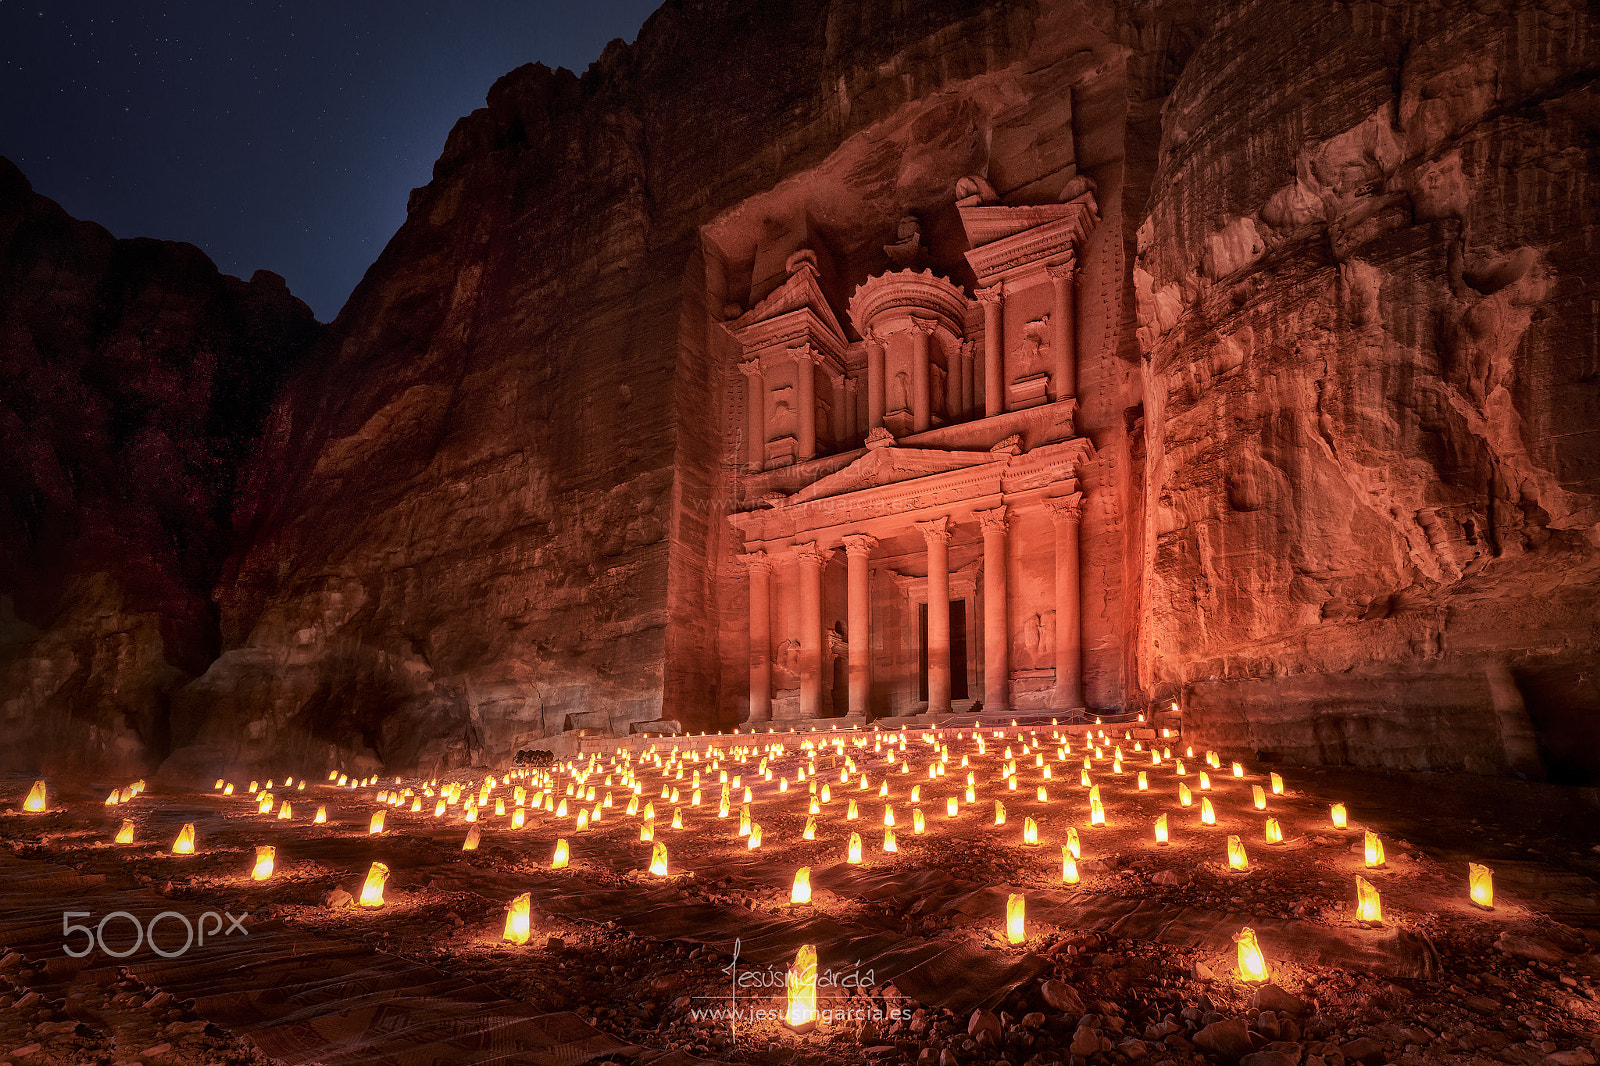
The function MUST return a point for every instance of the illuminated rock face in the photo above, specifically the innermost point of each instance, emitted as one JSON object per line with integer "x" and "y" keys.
{"x": 685, "y": 381}
{"x": 132, "y": 378}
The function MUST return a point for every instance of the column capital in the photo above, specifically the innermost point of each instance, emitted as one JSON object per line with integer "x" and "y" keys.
{"x": 751, "y": 368}
{"x": 923, "y": 327}
{"x": 1065, "y": 509}
{"x": 859, "y": 544}
{"x": 873, "y": 337}
{"x": 852, "y": 384}
{"x": 991, "y": 295}
{"x": 812, "y": 554}
{"x": 936, "y": 529}
{"x": 993, "y": 521}
{"x": 1063, "y": 271}
{"x": 759, "y": 562}
{"x": 804, "y": 353}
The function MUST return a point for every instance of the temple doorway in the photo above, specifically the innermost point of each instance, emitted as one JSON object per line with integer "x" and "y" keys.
{"x": 958, "y": 650}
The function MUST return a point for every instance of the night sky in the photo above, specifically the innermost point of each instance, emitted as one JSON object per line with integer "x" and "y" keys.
{"x": 283, "y": 135}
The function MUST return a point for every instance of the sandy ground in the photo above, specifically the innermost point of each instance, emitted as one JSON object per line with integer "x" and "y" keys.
{"x": 1135, "y": 963}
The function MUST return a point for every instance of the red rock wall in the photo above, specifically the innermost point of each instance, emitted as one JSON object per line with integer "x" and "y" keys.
{"x": 1365, "y": 285}
{"x": 132, "y": 381}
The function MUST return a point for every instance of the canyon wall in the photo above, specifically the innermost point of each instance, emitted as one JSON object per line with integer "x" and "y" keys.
{"x": 1372, "y": 395}
{"x": 132, "y": 377}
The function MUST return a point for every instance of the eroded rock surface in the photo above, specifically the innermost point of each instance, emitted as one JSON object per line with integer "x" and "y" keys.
{"x": 132, "y": 379}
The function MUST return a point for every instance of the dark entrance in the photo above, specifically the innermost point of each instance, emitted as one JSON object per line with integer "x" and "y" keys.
{"x": 958, "y": 650}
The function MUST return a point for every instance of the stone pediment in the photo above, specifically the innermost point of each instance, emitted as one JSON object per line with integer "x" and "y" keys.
{"x": 890, "y": 465}
{"x": 801, "y": 297}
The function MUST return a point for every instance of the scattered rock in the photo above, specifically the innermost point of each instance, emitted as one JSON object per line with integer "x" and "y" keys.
{"x": 1059, "y": 995}
{"x": 339, "y": 899}
{"x": 1273, "y": 998}
{"x": 1529, "y": 947}
{"x": 1229, "y": 1039}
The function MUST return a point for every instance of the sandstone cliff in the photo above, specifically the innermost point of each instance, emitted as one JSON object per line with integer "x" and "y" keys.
{"x": 132, "y": 377}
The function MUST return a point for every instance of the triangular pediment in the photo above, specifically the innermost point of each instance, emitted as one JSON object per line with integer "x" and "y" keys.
{"x": 800, "y": 293}
{"x": 888, "y": 466}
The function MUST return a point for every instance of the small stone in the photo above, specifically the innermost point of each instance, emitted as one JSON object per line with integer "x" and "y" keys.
{"x": 1033, "y": 1020}
{"x": 1271, "y": 1057}
{"x": 1085, "y": 1041}
{"x": 1529, "y": 947}
{"x": 947, "y": 1058}
{"x": 1364, "y": 1049}
{"x": 1576, "y": 1057}
{"x": 984, "y": 1022}
{"x": 555, "y": 943}
{"x": 1172, "y": 878}
{"x": 1271, "y": 997}
{"x": 339, "y": 899}
{"x": 1060, "y": 996}
{"x": 1229, "y": 1039}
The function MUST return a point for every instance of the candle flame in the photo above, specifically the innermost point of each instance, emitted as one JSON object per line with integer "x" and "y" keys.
{"x": 1161, "y": 829}
{"x": 658, "y": 859}
{"x": 801, "y": 988}
{"x": 801, "y": 892}
{"x": 1480, "y": 880}
{"x": 1368, "y": 907}
{"x": 1237, "y": 859}
{"x": 517, "y": 924}
{"x": 1015, "y": 933}
{"x": 265, "y": 853}
{"x": 184, "y": 845}
{"x": 1252, "y": 964}
{"x": 1374, "y": 849}
{"x": 562, "y": 856}
{"x": 1337, "y": 813}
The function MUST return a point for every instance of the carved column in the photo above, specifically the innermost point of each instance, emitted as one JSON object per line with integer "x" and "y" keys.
{"x": 757, "y": 458}
{"x": 760, "y": 635}
{"x": 937, "y": 534}
{"x": 993, "y": 371}
{"x": 996, "y": 638}
{"x": 812, "y": 560}
{"x": 852, "y": 393}
{"x": 921, "y": 372}
{"x": 963, "y": 409}
{"x": 857, "y": 548}
{"x": 841, "y": 413}
{"x": 875, "y": 382}
{"x": 805, "y": 367}
{"x": 1065, "y": 512}
{"x": 1064, "y": 336}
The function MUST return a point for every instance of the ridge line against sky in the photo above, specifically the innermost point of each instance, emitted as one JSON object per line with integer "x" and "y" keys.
{"x": 283, "y": 136}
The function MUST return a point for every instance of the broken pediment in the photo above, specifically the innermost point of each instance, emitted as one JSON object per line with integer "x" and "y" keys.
{"x": 792, "y": 307}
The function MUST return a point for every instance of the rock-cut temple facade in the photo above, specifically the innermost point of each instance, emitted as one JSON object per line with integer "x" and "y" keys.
{"x": 911, "y": 486}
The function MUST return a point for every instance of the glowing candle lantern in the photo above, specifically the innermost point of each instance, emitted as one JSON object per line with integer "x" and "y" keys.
{"x": 285, "y": 812}
{"x": 810, "y": 832}
{"x": 647, "y": 831}
{"x": 1374, "y": 849}
{"x": 1208, "y": 813}
{"x": 500, "y": 807}
{"x": 917, "y": 824}
{"x": 1072, "y": 843}
{"x": 999, "y": 813}
{"x": 1238, "y": 769}
{"x": 321, "y": 817}
{"x": 1274, "y": 831}
{"x": 1069, "y": 867}
{"x": 561, "y": 809}
{"x": 264, "y": 804}
{"x": 227, "y": 790}
{"x": 583, "y": 821}
{"x": 854, "y": 853}
{"x": 1205, "y": 780}
{"x": 1030, "y": 831}
{"x": 826, "y": 795}
{"x": 755, "y": 836}
{"x": 633, "y": 805}
{"x": 113, "y": 799}
{"x": 265, "y": 853}
{"x": 744, "y": 821}
{"x": 1161, "y": 830}
{"x": 851, "y": 814}
{"x": 517, "y": 925}
{"x": 1368, "y": 906}
{"x": 801, "y": 892}
{"x": 889, "y": 841}
{"x": 801, "y": 989}
{"x": 1144, "y": 781}
{"x": 950, "y": 807}
{"x": 1277, "y": 785}
{"x": 372, "y": 888}
{"x": 256, "y": 785}
{"x": 218, "y": 786}
{"x": 562, "y": 855}
{"x": 1083, "y": 778}
{"x": 184, "y": 845}
{"x": 1185, "y": 798}
{"x": 1480, "y": 881}
{"x": 1252, "y": 964}
{"x": 473, "y": 836}
{"x": 439, "y": 809}
{"x": 972, "y": 794}
{"x": 1259, "y": 795}
{"x": 1015, "y": 933}
{"x": 658, "y": 859}
{"x": 1097, "y": 811}
{"x": 125, "y": 833}
{"x": 377, "y": 823}
{"x": 1337, "y": 813}
{"x": 1178, "y": 768}
{"x": 1237, "y": 859}
{"x": 888, "y": 814}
